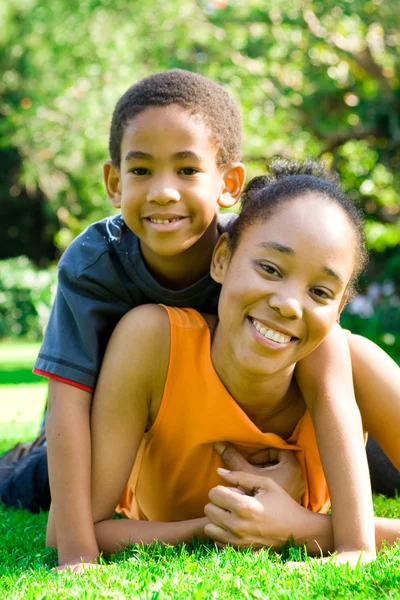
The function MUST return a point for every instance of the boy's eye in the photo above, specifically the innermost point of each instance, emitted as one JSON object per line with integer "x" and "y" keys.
{"x": 139, "y": 171}
{"x": 188, "y": 171}
{"x": 270, "y": 269}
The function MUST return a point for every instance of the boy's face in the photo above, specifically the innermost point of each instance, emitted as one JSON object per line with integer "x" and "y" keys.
{"x": 168, "y": 185}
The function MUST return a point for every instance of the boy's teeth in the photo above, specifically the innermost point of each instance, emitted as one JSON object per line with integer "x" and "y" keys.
{"x": 164, "y": 221}
{"x": 271, "y": 334}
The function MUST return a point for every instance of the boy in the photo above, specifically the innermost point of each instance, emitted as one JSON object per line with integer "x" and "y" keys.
{"x": 175, "y": 147}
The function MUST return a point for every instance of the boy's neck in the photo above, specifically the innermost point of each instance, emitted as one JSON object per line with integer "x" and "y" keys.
{"x": 182, "y": 270}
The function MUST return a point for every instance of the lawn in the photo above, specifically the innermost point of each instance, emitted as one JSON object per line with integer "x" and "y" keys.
{"x": 156, "y": 572}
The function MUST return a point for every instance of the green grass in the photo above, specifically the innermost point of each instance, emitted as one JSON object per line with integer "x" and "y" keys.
{"x": 22, "y": 394}
{"x": 198, "y": 572}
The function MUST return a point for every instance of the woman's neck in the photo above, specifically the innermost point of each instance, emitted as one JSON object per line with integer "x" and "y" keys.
{"x": 259, "y": 395}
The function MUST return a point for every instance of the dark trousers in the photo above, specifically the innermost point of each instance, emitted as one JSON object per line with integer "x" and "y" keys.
{"x": 26, "y": 485}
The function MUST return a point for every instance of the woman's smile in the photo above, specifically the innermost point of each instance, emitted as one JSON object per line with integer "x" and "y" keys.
{"x": 269, "y": 336}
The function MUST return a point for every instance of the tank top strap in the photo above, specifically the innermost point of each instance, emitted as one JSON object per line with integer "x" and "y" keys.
{"x": 189, "y": 361}
{"x": 185, "y": 318}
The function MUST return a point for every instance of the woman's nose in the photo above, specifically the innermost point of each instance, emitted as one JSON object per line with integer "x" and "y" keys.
{"x": 288, "y": 306}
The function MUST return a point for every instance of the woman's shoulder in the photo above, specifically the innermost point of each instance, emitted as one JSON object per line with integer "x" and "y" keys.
{"x": 145, "y": 332}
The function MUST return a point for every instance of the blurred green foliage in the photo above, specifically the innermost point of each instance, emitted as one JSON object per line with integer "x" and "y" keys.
{"x": 375, "y": 311}
{"x": 312, "y": 77}
{"x": 26, "y": 295}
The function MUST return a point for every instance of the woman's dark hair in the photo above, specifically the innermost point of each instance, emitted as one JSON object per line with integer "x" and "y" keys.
{"x": 286, "y": 181}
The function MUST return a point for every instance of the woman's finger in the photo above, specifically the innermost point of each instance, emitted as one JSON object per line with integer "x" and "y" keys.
{"x": 231, "y": 457}
{"x": 220, "y": 535}
{"x": 249, "y": 482}
{"x": 224, "y": 497}
{"x": 216, "y": 514}
{"x": 264, "y": 456}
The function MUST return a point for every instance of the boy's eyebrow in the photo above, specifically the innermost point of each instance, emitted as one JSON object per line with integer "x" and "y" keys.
{"x": 137, "y": 154}
{"x": 288, "y": 250}
{"x": 184, "y": 154}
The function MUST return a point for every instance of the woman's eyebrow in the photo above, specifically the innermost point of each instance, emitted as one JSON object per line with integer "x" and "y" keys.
{"x": 276, "y": 246}
{"x": 332, "y": 273}
{"x": 287, "y": 250}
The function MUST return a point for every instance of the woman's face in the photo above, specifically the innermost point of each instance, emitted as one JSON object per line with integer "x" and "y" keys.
{"x": 284, "y": 285}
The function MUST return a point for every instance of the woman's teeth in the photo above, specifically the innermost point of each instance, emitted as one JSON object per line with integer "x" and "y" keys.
{"x": 164, "y": 221}
{"x": 271, "y": 334}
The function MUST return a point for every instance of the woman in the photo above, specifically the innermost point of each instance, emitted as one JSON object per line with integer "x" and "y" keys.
{"x": 286, "y": 272}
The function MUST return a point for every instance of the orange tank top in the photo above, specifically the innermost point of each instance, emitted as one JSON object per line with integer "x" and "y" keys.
{"x": 176, "y": 464}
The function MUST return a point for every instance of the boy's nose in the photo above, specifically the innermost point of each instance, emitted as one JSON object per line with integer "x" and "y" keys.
{"x": 163, "y": 195}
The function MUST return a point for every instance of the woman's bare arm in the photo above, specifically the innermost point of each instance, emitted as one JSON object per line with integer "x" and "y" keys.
{"x": 128, "y": 393}
{"x": 325, "y": 380}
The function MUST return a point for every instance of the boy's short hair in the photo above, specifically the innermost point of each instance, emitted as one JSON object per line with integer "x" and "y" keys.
{"x": 193, "y": 92}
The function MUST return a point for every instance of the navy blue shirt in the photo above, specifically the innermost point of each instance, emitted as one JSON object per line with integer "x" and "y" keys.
{"x": 101, "y": 276}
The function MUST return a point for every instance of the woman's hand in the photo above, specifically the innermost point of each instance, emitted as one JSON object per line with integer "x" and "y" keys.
{"x": 256, "y": 512}
{"x": 286, "y": 472}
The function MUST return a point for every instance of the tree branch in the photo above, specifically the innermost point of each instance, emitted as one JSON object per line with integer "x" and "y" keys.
{"x": 363, "y": 57}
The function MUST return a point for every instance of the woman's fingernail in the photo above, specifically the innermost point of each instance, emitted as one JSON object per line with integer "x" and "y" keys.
{"x": 224, "y": 471}
{"x": 220, "y": 447}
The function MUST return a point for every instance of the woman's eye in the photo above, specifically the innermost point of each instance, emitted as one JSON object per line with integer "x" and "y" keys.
{"x": 188, "y": 171}
{"x": 323, "y": 294}
{"x": 140, "y": 171}
{"x": 271, "y": 270}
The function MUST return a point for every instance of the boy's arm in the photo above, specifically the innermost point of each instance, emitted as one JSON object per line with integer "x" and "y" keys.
{"x": 128, "y": 394}
{"x": 90, "y": 300}
{"x": 70, "y": 525}
{"x": 325, "y": 380}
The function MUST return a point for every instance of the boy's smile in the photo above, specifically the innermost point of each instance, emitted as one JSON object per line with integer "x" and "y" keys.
{"x": 169, "y": 188}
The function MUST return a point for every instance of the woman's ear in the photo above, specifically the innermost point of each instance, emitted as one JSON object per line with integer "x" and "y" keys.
{"x": 343, "y": 302}
{"x": 233, "y": 181}
{"x": 112, "y": 181}
{"x": 220, "y": 259}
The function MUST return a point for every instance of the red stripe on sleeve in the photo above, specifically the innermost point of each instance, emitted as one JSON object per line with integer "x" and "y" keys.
{"x": 85, "y": 388}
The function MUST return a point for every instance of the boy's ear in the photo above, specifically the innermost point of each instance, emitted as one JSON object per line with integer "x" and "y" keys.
{"x": 112, "y": 181}
{"x": 233, "y": 181}
{"x": 220, "y": 259}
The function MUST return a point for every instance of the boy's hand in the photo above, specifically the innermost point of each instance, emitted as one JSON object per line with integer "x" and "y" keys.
{"x": 286, "y": 472}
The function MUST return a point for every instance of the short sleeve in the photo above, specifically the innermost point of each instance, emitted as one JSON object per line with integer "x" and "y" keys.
{"x": 84, "y": 314}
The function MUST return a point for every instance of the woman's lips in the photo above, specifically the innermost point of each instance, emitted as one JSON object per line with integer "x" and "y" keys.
{"x": 270, "y": 337}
